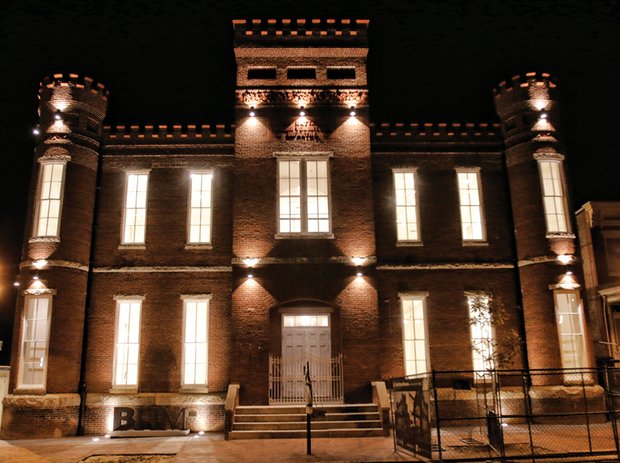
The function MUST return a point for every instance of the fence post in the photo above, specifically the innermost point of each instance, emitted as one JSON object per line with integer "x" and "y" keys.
{"x": 528, "y": 409}
{"x": 437, "y": 418}
{"x": 611, "y": 407}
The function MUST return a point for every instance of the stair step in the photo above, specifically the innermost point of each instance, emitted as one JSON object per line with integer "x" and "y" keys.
{"x": 361, "y": 432}
{"x": 294, "y": 426}
{"x": 293, "y": 409}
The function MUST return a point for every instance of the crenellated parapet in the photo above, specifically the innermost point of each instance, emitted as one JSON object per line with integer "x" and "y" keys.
{"x": 350, "y": 31}
{"x": 168, "y": 134}
{"x": 435, "y": 132}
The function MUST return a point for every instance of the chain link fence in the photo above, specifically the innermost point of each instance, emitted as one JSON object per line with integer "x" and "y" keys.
{"x": 515, "y": 415}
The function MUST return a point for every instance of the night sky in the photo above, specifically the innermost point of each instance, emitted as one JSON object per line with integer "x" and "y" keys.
{"x": 429, "y": 61}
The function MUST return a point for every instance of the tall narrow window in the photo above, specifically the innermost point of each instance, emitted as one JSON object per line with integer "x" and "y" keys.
{"x": 303, "y": 189}
{"x": 200, "y": 208}
{"x": 35, "y": 341}
{"x": 49, "y": 198}
{"x": 127, "y": 346}
{"x": 569, "y": 319}
{"x": 195, "y": 341}
{"x": 472, "y": 221}
{"x": 407, "y": 214}
{"x": 415, "y": 342}
{"x": 482, "y": 334}
{"x": 553, "y": 196}
{"x": 135, "y": 208}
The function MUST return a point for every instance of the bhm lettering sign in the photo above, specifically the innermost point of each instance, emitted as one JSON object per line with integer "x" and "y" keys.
{"x": 157, "y": 417}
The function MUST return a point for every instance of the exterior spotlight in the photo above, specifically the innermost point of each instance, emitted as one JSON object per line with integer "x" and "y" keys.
{"x": 358, "y": 261}
{"x": 352, "y": 111}
{"x": 252, "y": 112}
{"x": 39, "y": 264}
{"x": 504, "y": 425}
{"x": 250, "y": 261}
{"x": 250, "y": 275}
{"x": 201, "y": 433}
{"x": 36, "y": 131}
{"x": 543, "y": 115}
{"x": 302, "y": 113}
{"x": 359, "y": 272}
{"x": 569, "y": 273}
{"x": 57, "y": 116}
{"x": 16, "y": 284}
{"x": 95, "y": 439}
{"x": 36, "y": 277}
{"x": 565, "y": 259}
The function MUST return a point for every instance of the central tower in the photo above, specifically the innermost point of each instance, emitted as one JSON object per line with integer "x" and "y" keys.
{"x": 302, "y": 225}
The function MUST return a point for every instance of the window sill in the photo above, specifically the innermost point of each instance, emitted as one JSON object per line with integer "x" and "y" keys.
{"x": 405, "y": 244}
{"x": 304, "y": 236}
{"x": 475, "y": 243}
{"x": 123, "y": 390}
{"x": 199, "y": 246}
{"x": 44, "y": 239}
{"x": 130, "y": 247}
{"x": 555, "y": 235}
{"x": 193, "y": 390}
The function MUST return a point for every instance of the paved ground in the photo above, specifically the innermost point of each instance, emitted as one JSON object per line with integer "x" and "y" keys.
{"x": 209, "y": 448}
{"x": 456, "y": 443}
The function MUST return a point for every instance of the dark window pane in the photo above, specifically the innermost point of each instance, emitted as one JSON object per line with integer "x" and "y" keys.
{"x": 262, "y": 73}
{"x": 341, "y": 73}
{"x": 301, "y": 73}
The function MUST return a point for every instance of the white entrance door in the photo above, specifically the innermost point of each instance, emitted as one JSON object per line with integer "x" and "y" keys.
{"x": 305, "y": 338}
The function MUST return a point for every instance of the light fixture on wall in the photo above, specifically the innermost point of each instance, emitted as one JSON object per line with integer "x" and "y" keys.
{"x": 359, "y": 272}
{"x": 36, "y": 131}
{"x": 352, "y": 111}
{"x": 252, "y": 112}
{"x": 543, "y": 115}
{"x": 39, "y": 264}
{"x": 565, "y": 259}
{"x": 302, "y": 111}
{"x": 58, "y": 115}
{"x": 250, "y": 262}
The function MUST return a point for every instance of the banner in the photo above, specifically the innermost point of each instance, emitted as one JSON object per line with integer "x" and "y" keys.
{"x": 412, "y": 419}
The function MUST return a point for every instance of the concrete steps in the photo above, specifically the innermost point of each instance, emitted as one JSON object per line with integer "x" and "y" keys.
{"x": 283, "y": 421}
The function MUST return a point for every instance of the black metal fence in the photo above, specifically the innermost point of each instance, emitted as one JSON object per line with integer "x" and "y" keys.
{"x": 515, "y": 415}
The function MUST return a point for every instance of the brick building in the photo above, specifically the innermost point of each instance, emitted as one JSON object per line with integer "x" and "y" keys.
{"x": 164, "y": 263}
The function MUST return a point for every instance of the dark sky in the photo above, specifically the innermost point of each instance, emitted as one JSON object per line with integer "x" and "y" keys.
{"x": 429, "y": 61}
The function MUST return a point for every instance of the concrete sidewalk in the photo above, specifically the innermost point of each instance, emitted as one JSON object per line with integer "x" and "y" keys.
{"x": 211, "y": 448}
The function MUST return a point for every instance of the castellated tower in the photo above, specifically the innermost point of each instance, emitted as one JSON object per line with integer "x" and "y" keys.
{"x": 47, "y": 340}
{"x": 301, "y": 205}
{"x": 544, "y": 226}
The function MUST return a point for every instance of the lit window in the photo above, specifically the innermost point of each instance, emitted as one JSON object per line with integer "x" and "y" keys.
{"x": 195, "y": 341}
{"x": 415, "y": 346}
{"x": 47, "y": 222}
{"x": 482, "y": 334}
{"x": 406, "y": 206}
{"x": 553, "y": 196}
{"x": 304, "y": 196}
{"x": 35, "y": 341}
{"x": 127, "y": 346}
{"x": 135, "y": 208}
{"x": 200, "y": 208}
{"x": 472, "y": 224}
{"x": 305, "y": 321}
{"x": 569, "y": 319}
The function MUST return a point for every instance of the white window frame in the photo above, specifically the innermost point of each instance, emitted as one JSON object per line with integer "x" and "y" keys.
{"x": 414, "y": 220}
{"x": 553, "y": 191}
{"x": 417, "y": 297}
{"x": 28, "y": 299}
{"x": 479, "y": 334}
{"x": 204, "y": 210}
{"x": 42, "y": 196}
{"x": 471, "y": 207}
{"x": 118, "y": 385}
{"x": 127, "y": 210}
{"x": 197, "y": 298}
{"x": 303, "y": 198}
{"x": 574, "y": 360}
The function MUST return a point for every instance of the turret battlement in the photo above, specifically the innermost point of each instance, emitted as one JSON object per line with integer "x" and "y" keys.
{"x": 300, "y": 30}
{"x": 173, "y": 134}
{"x": 525, "y": 81}
{"x": 74, "y": 80}
{"x": 430, "y": 131}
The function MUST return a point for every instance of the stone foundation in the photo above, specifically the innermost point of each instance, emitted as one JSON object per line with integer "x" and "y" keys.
{"x": 40, "y": 416}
